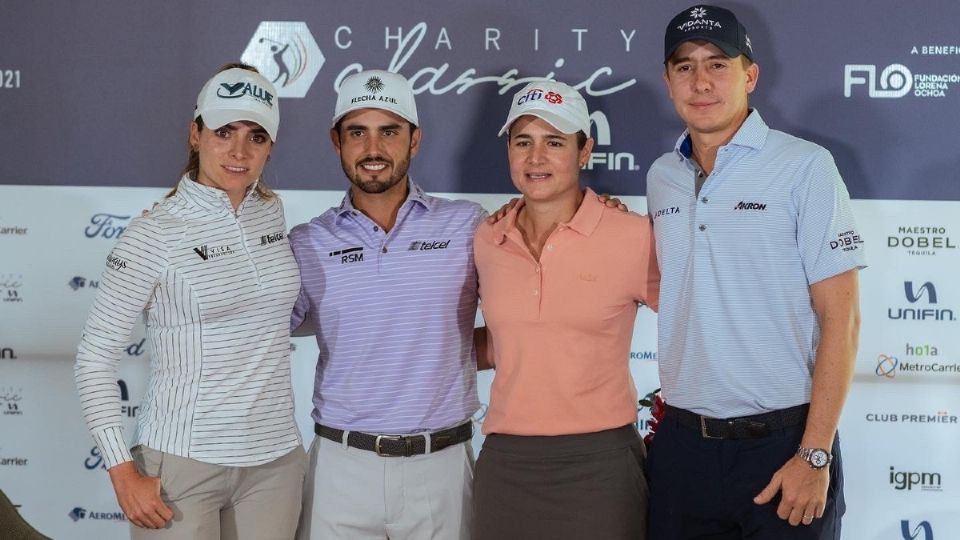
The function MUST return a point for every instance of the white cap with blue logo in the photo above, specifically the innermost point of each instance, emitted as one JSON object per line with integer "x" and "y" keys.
{"x": 557, "y": 103}
{"x": 239, "y": 94}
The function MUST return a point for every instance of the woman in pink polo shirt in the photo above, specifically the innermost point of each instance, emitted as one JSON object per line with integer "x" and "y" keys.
{"x": 561, "y": 278}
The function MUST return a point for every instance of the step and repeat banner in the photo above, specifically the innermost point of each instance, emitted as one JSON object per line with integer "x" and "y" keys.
{"x": 96, "y": 99}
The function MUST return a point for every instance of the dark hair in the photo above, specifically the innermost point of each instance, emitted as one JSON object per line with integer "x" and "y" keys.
{"x": 193, "y": 154}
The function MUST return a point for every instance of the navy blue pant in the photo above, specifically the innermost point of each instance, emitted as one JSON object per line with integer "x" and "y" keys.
{"x": 704, "y": 488}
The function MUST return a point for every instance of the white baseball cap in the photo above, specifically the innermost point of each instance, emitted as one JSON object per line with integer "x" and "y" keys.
{"x": 376, "y": 89}
{"x": 239, "y": 94}
{"x": 557, "y": 103}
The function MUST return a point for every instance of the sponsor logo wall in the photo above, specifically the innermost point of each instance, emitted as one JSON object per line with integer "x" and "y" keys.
{"x": 885, "y": 107}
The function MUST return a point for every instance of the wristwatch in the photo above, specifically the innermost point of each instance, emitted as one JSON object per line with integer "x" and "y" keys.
{"x": 818, "y": 458}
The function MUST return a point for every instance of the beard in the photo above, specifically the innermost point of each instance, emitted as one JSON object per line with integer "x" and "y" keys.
{"x": 377, "y": 186}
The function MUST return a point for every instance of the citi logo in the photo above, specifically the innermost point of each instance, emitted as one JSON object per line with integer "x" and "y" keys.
{"x": 895, "y": 80}
{"x": 750, "y": 206}
{"x": 271, "y": 238}
{"x": 240, "y": 89}
{"x": 613, "y": 161}
{"x": 427, "y": 245}
{"x": 206, "y": 252}
{"x": 914, "y": 295}
{"x": 79, "y": 282}
{"x": 349, "y": 255}
{"x": 906, "y": 481}
{"x": 923, "y": 530}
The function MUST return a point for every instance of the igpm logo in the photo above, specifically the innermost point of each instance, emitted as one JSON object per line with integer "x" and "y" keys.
{"x": 895, "y": 80}
{"x": 286, "y": 53}
{"x": 923, "y": 531}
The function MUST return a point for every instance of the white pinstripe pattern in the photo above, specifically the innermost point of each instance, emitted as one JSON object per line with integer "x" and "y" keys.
{"x": 737, "y": 330}
{"x": 217, "y": 331}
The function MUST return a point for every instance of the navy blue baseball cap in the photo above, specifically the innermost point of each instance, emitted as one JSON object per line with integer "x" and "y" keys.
{"x": 709, "y": 23}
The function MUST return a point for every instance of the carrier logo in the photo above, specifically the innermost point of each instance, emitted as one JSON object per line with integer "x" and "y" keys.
{"x": 896, "y": 81}
{"x": 271, "y": 238}
{"x": 906, "y": 481}
{"x": 613, "y": 161}
{"x": 7, "y": 353}
{"x": 286, "y": 53}
{"x": 13, "y": 230}
{"x": 79, "y": 282}
{"x": 349, "y": 255}
{"x": 426, "y": 245}
{"x": 13, "y": 462}
{"x": 206, "y": 252}
{"x": 10, "y": 287}
{"x": 750, "y": 206}
{"x": 921, "y": 240}
{"x": 79, "y": 513}
{"x": 240, "y": 89}
{"x": 913, "y": 295}
{"x": 922, "y": 531}
{"x": 10, "y": 401}
{"x": 106, "y": 226}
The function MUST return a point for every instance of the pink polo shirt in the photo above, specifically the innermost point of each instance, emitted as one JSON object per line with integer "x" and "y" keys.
{"x": 560, "y": 329}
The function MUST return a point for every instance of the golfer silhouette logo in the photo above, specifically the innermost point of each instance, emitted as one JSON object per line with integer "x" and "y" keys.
{"x": 286, "y": 54}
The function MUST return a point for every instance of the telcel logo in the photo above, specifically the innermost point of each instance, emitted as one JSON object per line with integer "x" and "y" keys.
{"x": 895, "y": 80}
{"x": 612, "y": 161}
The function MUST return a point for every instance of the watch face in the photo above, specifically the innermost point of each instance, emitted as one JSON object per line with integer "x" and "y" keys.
{"x": 819, "y": 459}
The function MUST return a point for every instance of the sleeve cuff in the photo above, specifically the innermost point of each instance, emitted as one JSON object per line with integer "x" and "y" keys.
{"x": 112, "y": 446}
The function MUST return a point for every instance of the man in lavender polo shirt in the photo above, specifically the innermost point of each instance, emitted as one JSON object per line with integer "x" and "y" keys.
{"x": 388, "y": 281}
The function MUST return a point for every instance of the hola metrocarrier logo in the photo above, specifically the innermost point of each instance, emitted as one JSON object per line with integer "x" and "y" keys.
{"x": 918, "y": 359}
{"x": 918, "y": 240}
{"x": 916, "y": 310}
{"x": 921, "y": 481}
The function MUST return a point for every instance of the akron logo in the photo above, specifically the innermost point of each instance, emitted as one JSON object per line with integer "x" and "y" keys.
{"x": 286, "y": 54}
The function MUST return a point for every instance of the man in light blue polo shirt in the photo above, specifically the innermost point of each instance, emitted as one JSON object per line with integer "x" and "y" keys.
{"x": 389, "y": 282}
{"x": 759, "y": 313}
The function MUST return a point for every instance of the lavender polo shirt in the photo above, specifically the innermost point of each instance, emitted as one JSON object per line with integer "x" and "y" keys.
{"x": 394, "y": 314}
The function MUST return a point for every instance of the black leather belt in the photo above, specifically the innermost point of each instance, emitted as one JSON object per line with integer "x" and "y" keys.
{"x": 745, "y": 427}
{"x": 399, "y": 445}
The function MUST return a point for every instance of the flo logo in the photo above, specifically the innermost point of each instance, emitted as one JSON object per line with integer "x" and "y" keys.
{"x": 286, "y": 53}
{"x": 923, "y": 531}
{"x": 613, "y": 161}
{"x": 895, "y": 80}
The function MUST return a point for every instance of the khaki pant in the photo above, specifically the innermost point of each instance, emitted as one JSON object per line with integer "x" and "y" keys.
{"x": 213, "y": 501}
{"x": 355, "y": 494}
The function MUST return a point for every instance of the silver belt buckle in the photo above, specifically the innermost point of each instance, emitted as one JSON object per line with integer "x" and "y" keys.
{"x": 376, "y": 444}
{"x": 703, "y": 429}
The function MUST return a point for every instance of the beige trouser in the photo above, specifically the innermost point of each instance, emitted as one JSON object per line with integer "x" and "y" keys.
{"x": 355, "y": 494}
{"x": 214, "y": 501}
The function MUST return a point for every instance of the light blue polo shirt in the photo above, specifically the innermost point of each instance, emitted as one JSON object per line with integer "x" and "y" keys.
{"x": 737, "y": 329}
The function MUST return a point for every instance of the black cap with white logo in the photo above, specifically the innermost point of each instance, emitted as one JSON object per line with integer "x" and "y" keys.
{"x": 709, "y": 23}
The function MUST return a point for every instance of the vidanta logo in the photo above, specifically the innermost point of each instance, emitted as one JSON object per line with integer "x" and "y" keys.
{"x": 612, "y": 161}
{"x": 926, "y": 291}
{"x": 919, "y": 240}
{"x": 103, "y": 225}
{"x": 896, "y": 81}
{"x": 924, "y": 481}
{"x": 938, "y": 418}
{"x": 10, "y": 288}
{"x": 923, "y": 530}
{"x": 286, "y": 54}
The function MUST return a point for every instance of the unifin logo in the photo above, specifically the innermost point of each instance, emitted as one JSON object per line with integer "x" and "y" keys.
{"x": 286, "y": 53}
{"x": 613, "y": 161}
{"x": 913, "y": 297}
{"x": 241, "y": 89}
{"x": 921, "y": 314}
{"x": 895, "y": 80}
{"x": 923, "y": 531}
